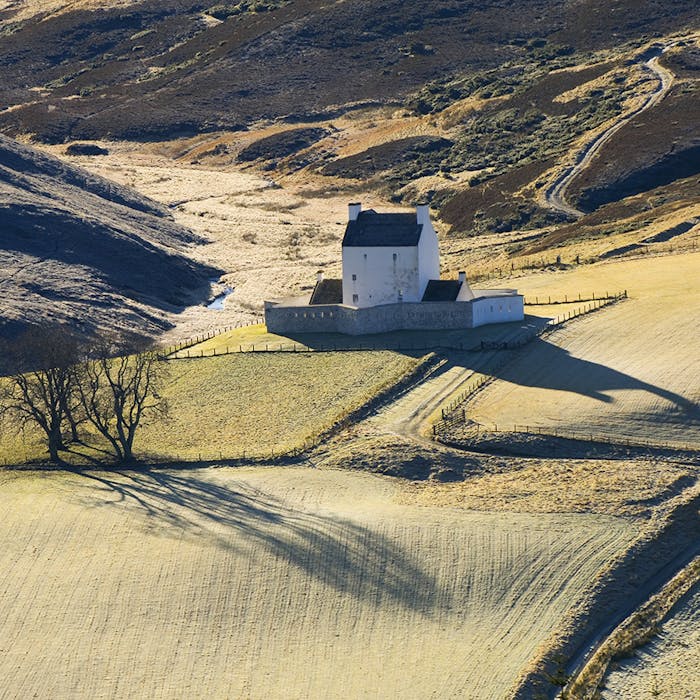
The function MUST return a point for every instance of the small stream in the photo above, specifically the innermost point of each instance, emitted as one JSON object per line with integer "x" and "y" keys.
{"x": 217, "y": 303}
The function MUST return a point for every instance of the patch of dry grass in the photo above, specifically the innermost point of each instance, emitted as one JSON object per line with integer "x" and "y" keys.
{"x": 561, "y": 486}
{"x": 630, "y": 371}
{"x": 252, "y": 404}
{"x": 264, "y": 402}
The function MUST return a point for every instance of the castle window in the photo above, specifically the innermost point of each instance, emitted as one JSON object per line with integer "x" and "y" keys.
{"x": 355, "y": 298}
{"x": 354, "y": 278}
{"x": 395, "y": 255}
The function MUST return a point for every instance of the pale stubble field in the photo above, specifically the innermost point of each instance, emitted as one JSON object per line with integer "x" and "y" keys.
{"x": 294, "y": 583}
{"x": 630, "y": 371}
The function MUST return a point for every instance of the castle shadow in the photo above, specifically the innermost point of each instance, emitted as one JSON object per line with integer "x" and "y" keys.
{"x": 553, "y": 367}
{"x": 340, "y": 553}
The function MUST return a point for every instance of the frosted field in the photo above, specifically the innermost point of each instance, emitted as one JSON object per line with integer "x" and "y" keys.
{"x": 630, "y": 371}
{"x": 270, "y": 583}
{"x": 668, "y": 666}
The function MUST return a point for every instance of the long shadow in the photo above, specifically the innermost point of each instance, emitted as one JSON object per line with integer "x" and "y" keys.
{"x": 553, "y": 367}
{"x": 133, "y": 265}
{"x": 342, "y": 554}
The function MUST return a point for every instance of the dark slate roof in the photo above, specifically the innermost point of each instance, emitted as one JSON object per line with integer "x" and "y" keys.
{"x": 387, "y": 230}
{"x": 442, "y": 290}
{"x": 327, "y": 292}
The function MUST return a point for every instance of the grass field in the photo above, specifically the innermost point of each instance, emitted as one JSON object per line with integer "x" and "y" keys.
{"x": 252, "y": 403}
{"x": 282, "y": 583}
{"x": 667, "y": 666}
{"x": 612, "y": 487}
{"x": 630, "y": 371}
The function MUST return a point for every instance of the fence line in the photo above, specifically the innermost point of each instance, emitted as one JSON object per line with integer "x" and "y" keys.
{"x": 207, "y": 335}
{"x": 588, "y": 437}
{"x": 573, "y": 300}
{"x": 535, "y": 262}
{"x": 594, "y": 302}
{"x": 449, "y": 417}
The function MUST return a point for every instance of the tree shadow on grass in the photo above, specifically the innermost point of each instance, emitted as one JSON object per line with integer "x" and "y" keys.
{"x": 340, "y": 553}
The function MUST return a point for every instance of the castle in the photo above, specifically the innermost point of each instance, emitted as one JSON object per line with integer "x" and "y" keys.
{"x": 391, "y": 281}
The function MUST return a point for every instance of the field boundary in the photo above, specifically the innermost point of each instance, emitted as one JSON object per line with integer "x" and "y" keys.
{"x": 632, "y": 633}
{"x": 454, "y": 412}
{"x": 664, "y": 548}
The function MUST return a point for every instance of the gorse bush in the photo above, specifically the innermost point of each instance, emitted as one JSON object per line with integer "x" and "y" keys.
{"x": 223, "y": 11}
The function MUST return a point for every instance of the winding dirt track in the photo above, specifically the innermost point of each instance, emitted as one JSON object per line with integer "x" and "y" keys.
{"x": 555, "y": 196}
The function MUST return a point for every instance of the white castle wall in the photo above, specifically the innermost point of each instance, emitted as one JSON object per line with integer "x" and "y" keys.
{"x": 380, "y": 274}
{"x": 501, "y": 307}
{"x": 338, "y": 318}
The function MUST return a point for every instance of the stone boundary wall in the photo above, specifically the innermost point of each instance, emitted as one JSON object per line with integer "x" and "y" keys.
{"x": 338, "y": 318}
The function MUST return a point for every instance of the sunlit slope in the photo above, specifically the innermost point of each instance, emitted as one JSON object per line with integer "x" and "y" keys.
{"x": 263, "y": 583}
{"x": 629, "y": 371}
{"x": 667, "y": 666}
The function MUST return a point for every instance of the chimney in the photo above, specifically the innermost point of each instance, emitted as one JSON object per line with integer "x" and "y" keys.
{"x": 422, "y": 213}
{"x": 319, "y": 276}
{"x": 354, "y": 210}
{"x": 462, "y": 276}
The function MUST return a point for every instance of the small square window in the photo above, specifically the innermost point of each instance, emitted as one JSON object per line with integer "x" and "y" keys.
{"x": 354, "y": 278}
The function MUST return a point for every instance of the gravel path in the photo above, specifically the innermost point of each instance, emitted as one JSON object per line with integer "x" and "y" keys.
{"x": 555, "y": 197}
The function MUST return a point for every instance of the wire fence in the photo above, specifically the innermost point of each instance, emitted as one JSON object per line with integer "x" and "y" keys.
{"x": 547, "y": 301}
{"x": 452, "y": 412}
{"x": 476, "y": 432}
{"x": 168, "y": 350}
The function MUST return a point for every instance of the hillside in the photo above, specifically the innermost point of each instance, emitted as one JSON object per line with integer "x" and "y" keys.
{"x": 139, "y": 70}
{"x": 80, "y": 249}
{"x": 474, "y": 107}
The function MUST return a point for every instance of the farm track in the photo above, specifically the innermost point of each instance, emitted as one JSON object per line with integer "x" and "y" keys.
{"x": 555, "y": 196}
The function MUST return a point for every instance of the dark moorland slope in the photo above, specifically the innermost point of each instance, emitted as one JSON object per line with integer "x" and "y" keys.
{"x": 79, "y": 249}
{"x": 145, "y": 71}
{"x": 154, "y": 70}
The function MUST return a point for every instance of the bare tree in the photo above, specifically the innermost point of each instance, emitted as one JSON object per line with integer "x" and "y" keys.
{"x": 116, "y": 393}
{"x": 41, "y": 389}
